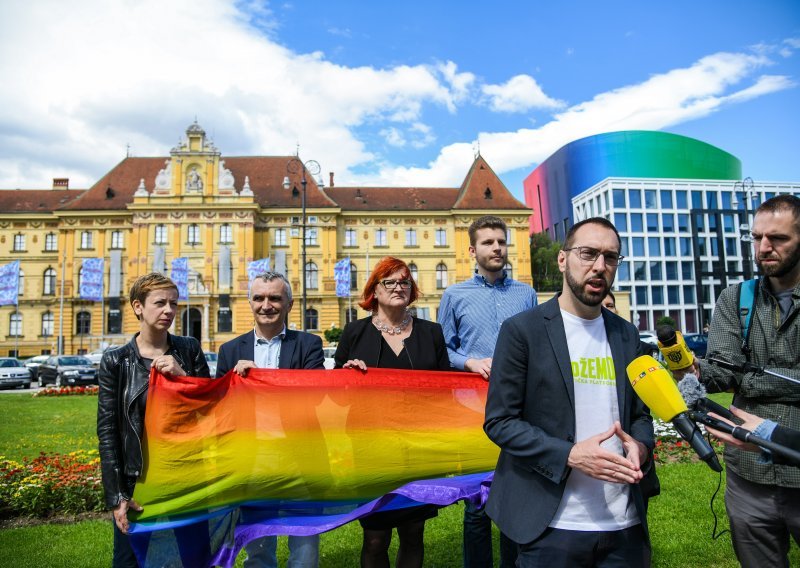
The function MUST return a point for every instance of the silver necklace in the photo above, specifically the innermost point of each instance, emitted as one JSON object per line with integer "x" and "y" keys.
{"x": 392, "y": 330}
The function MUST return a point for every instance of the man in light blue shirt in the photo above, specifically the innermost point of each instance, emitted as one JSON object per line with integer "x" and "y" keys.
{"x": 471, "y": 314}
{"x": 270, "y": 345}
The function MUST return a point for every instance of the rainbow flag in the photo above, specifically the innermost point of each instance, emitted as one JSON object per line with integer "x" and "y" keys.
{"x": 299, "y": 452}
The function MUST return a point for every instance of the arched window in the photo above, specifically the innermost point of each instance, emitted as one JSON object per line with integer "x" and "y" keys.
{"x": 83, "y": 323}
{"x": 311, "y": 276}
{"x": 509, "y": 270}
{"x": 48, "y": 324}
{"x": 21, "y": 282}
{"x": 312, "y": 319}
{"x": 15, "y": 324}
{"x": 353, "y": 277}
{"x": 49, "y": 288}
{"x": 441, "y": 275}
{"x": 414, "y": 272}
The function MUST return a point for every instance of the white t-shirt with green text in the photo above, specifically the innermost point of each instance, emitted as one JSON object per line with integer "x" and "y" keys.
{"x": 590, "y": 504}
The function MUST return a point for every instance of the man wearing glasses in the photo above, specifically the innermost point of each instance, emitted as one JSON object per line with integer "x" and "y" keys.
{"x": 573, "y": 435}
{"x": 471, "y": 314}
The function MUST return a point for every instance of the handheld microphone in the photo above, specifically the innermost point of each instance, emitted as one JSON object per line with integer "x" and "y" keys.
{"x": 672, "y": 345}
{"x": 694, "y": 393}
{"x": 655, "y": 387}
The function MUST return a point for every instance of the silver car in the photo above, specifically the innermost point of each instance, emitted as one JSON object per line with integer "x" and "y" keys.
{"x": 14, "y": 374}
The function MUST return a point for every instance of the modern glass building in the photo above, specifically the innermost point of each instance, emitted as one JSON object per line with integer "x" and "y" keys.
{"x": 679, "y": 204}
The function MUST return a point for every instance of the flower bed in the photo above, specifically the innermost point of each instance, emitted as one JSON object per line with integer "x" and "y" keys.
{"x": 671, "y": 448}
{"x": 51, "y": 484}
{"x": 67, "y": 391}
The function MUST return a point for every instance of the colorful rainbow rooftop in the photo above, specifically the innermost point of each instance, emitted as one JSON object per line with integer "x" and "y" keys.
{"x": 583, "y": 163}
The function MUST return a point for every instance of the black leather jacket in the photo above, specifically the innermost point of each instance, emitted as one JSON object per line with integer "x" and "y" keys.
{"x": 123, "y": 381}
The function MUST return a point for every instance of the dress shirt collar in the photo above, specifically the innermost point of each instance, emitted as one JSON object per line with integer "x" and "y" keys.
{"x": 502, "y": 280}
{"x": 262, "y": 340}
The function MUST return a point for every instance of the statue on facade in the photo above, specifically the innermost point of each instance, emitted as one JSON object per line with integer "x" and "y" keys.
{"x": 193, "y": 181}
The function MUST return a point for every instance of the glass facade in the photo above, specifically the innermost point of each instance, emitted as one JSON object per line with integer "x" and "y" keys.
{"x": 654, "y": 217}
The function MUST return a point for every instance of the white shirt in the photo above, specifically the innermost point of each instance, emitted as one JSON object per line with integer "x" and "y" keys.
{"x": 589, "y": 504}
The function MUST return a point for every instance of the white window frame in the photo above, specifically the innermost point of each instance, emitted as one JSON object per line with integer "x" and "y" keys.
{"x": 350, "y": 238}
{"x": 51, "y": 242}
{"x": 380, "y": 237}
{"x": 49, "y": 289}
{"x": 226, "y": 234}
{"x": 19, "y": 242}
{"x": 48, "y": 324}
{"x": 87, "y": 240}
{"x": 441, "y": 276}
{"x": 117, "y": 240}
{"x": 312, "y": 276}
{"x": 193, "y": 234}
{"x": 280, "y": 237}
{"x": 15, "y": 324}
{"x": 161, "y": 237}
{"x": 411, "y": 237}
{"x": 440, "y": 237}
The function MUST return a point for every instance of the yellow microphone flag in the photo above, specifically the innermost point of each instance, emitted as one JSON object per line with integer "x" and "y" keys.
{"x": 678, "y": 356}
{"x": 655, "y": 386}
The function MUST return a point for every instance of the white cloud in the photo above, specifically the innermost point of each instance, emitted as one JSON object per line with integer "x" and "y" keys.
{"x": 77, "y": 94}
{"x": 659, "y": 102}
{"x": 518, "y": 94}
{"x": 81, "y": 95}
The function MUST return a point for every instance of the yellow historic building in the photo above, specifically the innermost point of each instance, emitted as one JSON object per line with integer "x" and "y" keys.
{"x": 223, "y": 213}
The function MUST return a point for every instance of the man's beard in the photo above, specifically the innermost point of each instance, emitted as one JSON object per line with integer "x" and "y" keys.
{"x": 579, "y": 289}
{"x": 782, "y": 268}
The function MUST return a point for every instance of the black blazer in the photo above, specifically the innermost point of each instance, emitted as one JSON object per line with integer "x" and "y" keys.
{"x": 425, "y": 347}
{"x": 299, "y": 350}
{"x": 530, "y": 414}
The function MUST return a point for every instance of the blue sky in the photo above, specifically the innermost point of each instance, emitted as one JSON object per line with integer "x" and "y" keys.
{"x": 391, "y": 93}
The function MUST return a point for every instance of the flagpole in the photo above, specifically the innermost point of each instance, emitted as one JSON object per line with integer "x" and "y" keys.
{"x": 61, "y": 310}
{"x": 103, "y": 304}
{"x": 19, "y": 319}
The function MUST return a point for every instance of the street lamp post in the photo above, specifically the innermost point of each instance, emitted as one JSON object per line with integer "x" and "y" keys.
{"x": 295, "y": 166}
{"x": 746, "y": 186}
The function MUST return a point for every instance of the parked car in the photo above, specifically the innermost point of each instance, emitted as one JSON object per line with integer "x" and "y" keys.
{"x": 648, "y": 337}
{"x": 211, "y": 358}
{"x": 67, "y": 370}
{"x": 33, "y": 363}
{"x": 329, "y": 353}
{"x": 14, "y": 374}
{"x": 697, "y": 342}
{"x": 97, "y": 355}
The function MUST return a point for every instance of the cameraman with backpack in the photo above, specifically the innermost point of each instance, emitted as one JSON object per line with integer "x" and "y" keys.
{"x": 762, "y": 499}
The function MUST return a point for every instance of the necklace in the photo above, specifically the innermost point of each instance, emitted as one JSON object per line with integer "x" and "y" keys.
{"x": 392, "y": 330}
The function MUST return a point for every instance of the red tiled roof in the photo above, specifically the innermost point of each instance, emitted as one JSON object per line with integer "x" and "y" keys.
{"x": 482, "y": 189}
{"x": 266, "y": 175}
{"x": 36, "y": 200}
{"x": 393, "y": 198}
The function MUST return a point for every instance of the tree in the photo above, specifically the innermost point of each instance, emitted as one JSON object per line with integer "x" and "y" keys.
{"x": 666, "y": 320}
{"x": 544, "y": 263}
{"x": 333, "y": 334}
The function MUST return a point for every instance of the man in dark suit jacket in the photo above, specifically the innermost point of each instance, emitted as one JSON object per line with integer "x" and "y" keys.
{"x": 270, "y": 345}
{"x": 574, "y": 436}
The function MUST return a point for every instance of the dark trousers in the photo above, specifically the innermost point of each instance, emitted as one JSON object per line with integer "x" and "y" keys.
{"x": 477, "y": 548}
{"x": 557, "y": 548}
{"x": 762, "y": 518}
{"x": 123, "y": 551}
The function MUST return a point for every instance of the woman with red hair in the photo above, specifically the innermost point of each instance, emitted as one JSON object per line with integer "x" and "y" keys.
{"x": 392, "y": 338}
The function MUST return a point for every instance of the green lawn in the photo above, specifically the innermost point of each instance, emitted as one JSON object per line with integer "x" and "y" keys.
{"x": 680, "y": 519}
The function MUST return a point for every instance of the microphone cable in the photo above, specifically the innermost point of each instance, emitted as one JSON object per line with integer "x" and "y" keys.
{"x": 714, "y": 534}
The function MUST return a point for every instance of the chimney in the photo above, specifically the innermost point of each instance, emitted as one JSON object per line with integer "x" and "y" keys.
{"x": 60, "y": 183}
{"x": 331, "y": 184}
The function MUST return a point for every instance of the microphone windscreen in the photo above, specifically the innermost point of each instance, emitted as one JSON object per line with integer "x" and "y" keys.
{"x": 655, "y": 386}
{"x": 666, "y": 335}
{"x": 691, "y": 390}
